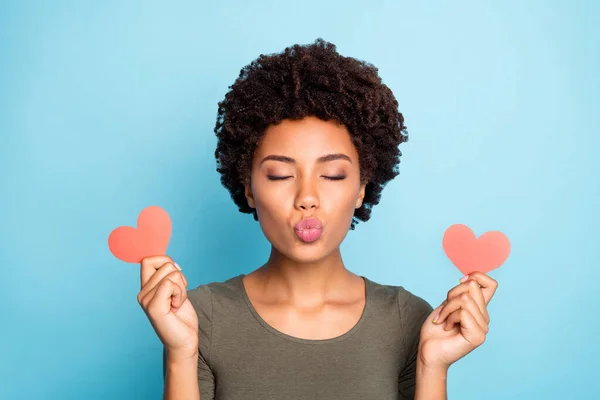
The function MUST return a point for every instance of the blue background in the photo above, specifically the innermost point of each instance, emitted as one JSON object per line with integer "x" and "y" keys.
{"x": 108, "y": 107}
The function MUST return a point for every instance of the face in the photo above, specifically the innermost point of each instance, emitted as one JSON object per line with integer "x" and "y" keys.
{"x": 305, "y": 185}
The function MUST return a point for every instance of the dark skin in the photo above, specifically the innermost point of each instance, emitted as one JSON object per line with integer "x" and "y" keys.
{"x": 309, "y": 168}
{"x": 304, "y": 289}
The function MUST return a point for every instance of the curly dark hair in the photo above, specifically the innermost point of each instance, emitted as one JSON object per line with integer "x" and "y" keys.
{"x": 310, "y": 80}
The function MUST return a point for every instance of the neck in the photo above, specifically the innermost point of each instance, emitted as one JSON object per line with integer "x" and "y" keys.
{"x": 305, "y": 283}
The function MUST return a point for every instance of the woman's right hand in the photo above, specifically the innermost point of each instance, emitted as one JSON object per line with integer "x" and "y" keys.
{"x": 163, "y": 296}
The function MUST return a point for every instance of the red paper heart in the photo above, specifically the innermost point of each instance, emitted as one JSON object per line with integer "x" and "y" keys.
{"x": 470, "y": 254}
{"x": 150, "y": 238}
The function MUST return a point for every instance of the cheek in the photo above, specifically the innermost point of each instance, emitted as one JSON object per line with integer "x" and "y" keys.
{"x": 346, "y": 192}
{"x": 341, "y": 200}
{"x": 272, "y": 218}
{"x": 270, "y": 205}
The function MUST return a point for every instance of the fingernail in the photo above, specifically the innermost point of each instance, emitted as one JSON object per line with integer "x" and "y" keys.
{"x": 177, "y": 266}
{"x": 464, "y": 279}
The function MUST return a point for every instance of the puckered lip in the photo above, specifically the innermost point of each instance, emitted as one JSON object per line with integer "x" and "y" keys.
{"x": 308, "y": 223}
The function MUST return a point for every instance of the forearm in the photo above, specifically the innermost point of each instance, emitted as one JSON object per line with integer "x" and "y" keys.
{"x": 181, "y": 381}
{"x": 431, "y": 383}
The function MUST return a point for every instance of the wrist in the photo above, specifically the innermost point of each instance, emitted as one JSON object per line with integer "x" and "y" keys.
{"x": 181, "y": 376}
{"x": 431, "y": 381}
{"x": 430, "y": 364}
{"x": 430, "y": 369}
{"x": 182, "y": 356}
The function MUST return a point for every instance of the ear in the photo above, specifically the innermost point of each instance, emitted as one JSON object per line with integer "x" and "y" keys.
{"x": 249, "y": 195}
{"x": 361, "y": 195}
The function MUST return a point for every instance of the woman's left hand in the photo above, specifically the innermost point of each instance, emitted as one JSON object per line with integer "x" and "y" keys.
{"x": 459, "y": 325}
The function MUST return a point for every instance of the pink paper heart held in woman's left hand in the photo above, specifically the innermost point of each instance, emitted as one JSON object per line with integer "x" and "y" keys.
{"x": 470, "y": 254}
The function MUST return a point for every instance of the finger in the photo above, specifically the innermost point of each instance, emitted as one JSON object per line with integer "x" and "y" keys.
{"x": 476, "y": 294}
{"x": 488, "y": 285}
{"x": 175, "y": 277}
{"x": 149, "y": 265}
{"x": 448, "y": 306}
{"x": 473, "y": 288}
{"x": 161, "y": 302}
{"x": 469, "y": 304}
{"x": 185, "y": 281}
{"x": 435, "y": 313}
{"x": 147, "y": 298}
{"x": 157, "y": 276}
{"x": 469, "y": 328}
{"x": 456, "y": 303}
{"x": 179, "y": 279}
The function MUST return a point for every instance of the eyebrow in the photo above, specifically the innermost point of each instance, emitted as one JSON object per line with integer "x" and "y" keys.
{"x": 322, "y": 159}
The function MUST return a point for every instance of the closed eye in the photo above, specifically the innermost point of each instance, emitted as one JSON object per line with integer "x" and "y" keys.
{"x": 277, "y": 178}
{"x": 335, "y": 178}
{"x": 282, "y": 178}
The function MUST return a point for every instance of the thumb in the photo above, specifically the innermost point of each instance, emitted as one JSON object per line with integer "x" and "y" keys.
{"x": 435, "y": 314}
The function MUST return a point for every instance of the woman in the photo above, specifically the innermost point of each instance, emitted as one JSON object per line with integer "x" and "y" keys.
{"x": 307, "y": 139}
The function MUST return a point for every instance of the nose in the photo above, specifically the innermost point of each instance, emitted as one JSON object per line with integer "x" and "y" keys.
{"x": 307, "y": 196}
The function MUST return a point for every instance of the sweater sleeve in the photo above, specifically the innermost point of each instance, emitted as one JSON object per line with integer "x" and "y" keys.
{"x": 413, "y": 313}
{"x": 201, "y": 300}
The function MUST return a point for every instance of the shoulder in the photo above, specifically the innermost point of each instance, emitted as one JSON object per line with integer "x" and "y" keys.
{"x": 213, "y": 302}
{"x": 412, "y": 309}
{"x": 207, "y": 296}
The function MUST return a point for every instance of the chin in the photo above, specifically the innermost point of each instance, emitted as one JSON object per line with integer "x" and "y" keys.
{"x": 306, "y": 253}
{"x": 304, "y": 258}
